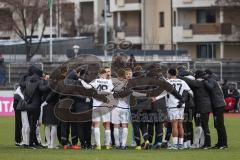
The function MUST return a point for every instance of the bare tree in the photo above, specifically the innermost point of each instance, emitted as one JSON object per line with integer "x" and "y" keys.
{"x": 25, "y": 21}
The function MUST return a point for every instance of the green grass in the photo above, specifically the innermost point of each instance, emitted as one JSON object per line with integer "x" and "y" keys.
{"x": 9, "y": 152}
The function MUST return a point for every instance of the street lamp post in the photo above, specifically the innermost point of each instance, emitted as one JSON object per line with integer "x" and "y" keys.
{"x": 76, "y": 50}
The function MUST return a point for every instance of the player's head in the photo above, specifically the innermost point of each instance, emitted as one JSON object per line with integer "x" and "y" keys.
{"x": 128, "y": 73}
{"x": 108, "y": 71}
{"x": 172, "y": 72}
{"x": 78, "y": 70}
{"x": 45, "y": 76}
{"x": 199, "y": 74}
{"x": 121, "y": 73}
{"x": 208, "y": 72}
{"x": 102, "y": 73}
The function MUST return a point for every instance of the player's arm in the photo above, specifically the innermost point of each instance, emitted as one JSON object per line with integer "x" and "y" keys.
{"x": 138, "y": 94}
{"x": 162, "y": 95}
{"x": 192, "y": 83}
{"x": 85, "y": 85}
{"x": 209, "y": 84}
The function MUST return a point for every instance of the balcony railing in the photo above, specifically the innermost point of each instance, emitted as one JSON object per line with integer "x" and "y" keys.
{"x": 132, "y": 32}
{"x": 224, "y": 28}
{"x": 132, "y": 1}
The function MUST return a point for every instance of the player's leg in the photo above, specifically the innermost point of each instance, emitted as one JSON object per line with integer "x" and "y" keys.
{"x": 180, "y": 134}
{"x": 205, "y": 126}
{"x": 190, "y": 128}
{"x": 18, "y": 124}
{"x": 198, "y": 130}
{"x": 96, "y": 118}
{"x": 218, "y": 114}
{"x": 137, "y": 134}
{"x": 65, "y": 127}
{"x": 124, "y": 133}
{"x": 150, "y": 132}
{"x": 74, "y": 136}
{"x": 53, "y": 136}
{"x": 112, "y": 134}
{"x": 158, "y": 134}
{"x": 81, "y": 134}
{"x": 87, "y": 132}
{"x": 168, "y": 126}
{"x": 25, "y": 128}
{"x": 144, "y": 130}
{"x": 115, "y": 120}
{"x": 48, "y": 134}
{"x": 33, "y": 118}
{"x": 106, "y": 118}
{"x": 175, "y": 133}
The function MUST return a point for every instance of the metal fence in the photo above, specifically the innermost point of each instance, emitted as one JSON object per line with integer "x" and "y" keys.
{"x": 223, "y": 69}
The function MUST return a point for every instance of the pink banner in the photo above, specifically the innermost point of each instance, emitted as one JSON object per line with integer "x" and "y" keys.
{"x": 6, "y": 106}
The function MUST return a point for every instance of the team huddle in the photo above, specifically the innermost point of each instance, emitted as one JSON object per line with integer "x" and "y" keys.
{"x": 154, "y": 119}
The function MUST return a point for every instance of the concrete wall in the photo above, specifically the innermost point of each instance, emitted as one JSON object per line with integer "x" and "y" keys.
{"x": 154, "y": 34}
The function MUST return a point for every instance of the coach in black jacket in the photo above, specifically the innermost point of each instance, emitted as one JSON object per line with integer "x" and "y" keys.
{"x": 202, "y": 103}
{"x": 218, "y": 105}
{"x": 33, "y": 95}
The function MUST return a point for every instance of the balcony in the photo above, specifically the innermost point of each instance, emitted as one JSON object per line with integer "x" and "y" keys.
{"x": 125, "y": 5}
{"x": 202, "y": 32}
{"x": 224, "y": 28}
{"x": 130, "y": 34}
{"x": 193, "y": 3}
{"x": 186, "y": 35}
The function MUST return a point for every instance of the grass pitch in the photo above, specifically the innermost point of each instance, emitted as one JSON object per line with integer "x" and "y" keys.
{"x": 9, "y": 152}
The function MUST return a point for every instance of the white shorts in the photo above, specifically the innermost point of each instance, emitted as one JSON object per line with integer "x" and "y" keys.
{"x": 120, "y": 116}
{"x": 176, "y": 114}
{"x": 101, "y": 113}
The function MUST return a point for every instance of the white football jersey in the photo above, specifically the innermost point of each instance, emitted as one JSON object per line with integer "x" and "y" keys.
{"x": 123, "y": 103}
{"x": 102, "y": 85}
{"x": 180, "y": 86}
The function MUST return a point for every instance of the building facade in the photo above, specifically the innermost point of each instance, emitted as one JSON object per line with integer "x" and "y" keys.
{"x": 70, "y": 18}
{"x": 206, "y": 29}
{"x": 146, "y": 23}
{"x": 201, "y": 28}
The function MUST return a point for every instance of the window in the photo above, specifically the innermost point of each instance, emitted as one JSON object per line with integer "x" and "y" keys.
{"x": 206, "y": 16}
{"x": 161, "y": 14}
{"x": 206, "y": 51}
{"x": 6, "y": 19}
{"x": 174, "y": 18}
{"x": 161, "y": 47}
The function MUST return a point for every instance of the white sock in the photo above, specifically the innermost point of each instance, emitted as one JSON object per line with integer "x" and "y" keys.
{"x": 124, "y": 136}
{"x": 27, "y": 134}
{"x": 197, "y": 134}
{"x": 175, "y": 140}
{"x": 185, "y": 145}
{"x": 53, "y": 135}
{"x": 202, "y": 139}
{"x": 189, "y": 143}
{"x": 38, "y": 135}
{"x": 25, "y": 128}
{"x": 108, "y": 137}
{"x": 120, "y": 135}
{"x": 116, "y": 136}
{"x": 48, "y": 134}
{"x": 97, "y": 136}
{"x": 93, "y": 137}
{"x": 180, "y": 141}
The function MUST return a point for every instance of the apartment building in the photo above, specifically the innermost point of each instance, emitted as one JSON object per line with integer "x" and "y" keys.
{"x": 200, "y": 28}
{"x": 70, "y": 18}
{"x": 207, "y": 30}
{"x": 146, "y": 23}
